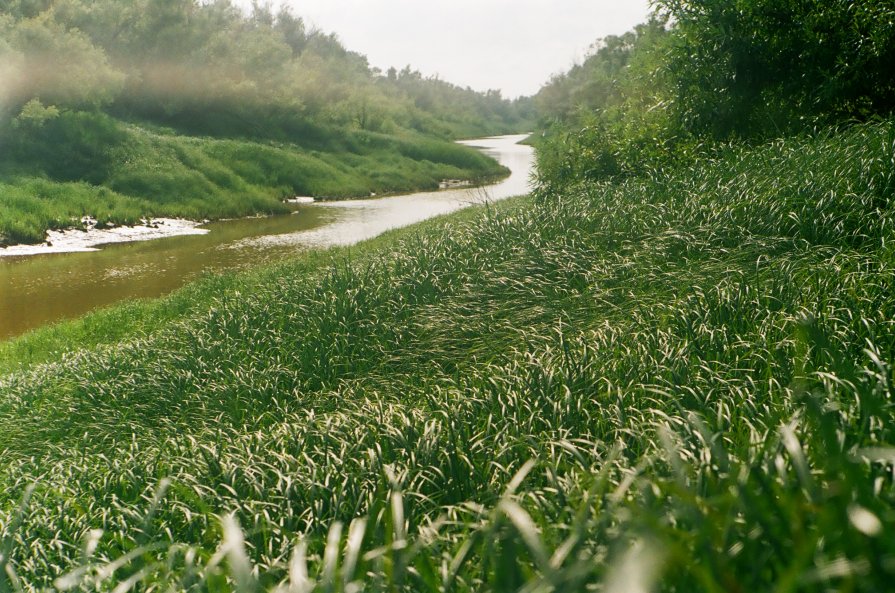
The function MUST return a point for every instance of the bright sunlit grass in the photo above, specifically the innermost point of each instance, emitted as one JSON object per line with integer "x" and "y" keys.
{"x": 681, "y": 383}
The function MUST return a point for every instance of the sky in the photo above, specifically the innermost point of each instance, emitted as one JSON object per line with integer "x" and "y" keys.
{"x": 511, "y": 45}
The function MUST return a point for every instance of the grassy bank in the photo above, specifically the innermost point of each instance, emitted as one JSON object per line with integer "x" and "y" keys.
{"x": 129, "y": 171}
{"x": 141, "y": 317}
{"x": 683, "y": 382}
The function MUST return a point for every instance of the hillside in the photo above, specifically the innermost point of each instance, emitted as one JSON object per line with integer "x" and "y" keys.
{"x": 669, "y": 368}
{"x": 699, "y": 363}
{"x": 198, "y": 110}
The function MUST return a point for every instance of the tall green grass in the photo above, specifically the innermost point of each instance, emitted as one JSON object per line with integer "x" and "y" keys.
{"x": 153, "y": 172}
{"x": 30, "y": 206}
{"x": 678, "y": 383}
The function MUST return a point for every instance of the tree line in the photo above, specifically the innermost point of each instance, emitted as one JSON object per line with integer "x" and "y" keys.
{"x": 122, "y": 109}
{"x": 211, "y": 68}
{"x": 708, "y": 71}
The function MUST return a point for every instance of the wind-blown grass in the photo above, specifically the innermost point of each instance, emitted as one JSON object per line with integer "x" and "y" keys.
{"x": 681, "y": 383}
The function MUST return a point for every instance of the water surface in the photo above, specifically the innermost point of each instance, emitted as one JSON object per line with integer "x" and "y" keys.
{"x": 40, "y": 289}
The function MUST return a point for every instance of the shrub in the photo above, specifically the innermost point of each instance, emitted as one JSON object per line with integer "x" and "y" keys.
{"x": 66, "y": 145}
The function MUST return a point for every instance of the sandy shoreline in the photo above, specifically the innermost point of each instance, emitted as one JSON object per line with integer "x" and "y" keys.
{"x": 89, "y": 239}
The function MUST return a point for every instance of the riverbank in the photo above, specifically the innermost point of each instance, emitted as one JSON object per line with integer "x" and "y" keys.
{"x": 139, "y": 318}
{"x": 153, "y": 173}
{"x": 90, "y": 237}
{"x": 54, "y": 287}
{"x": 688, "y": 376}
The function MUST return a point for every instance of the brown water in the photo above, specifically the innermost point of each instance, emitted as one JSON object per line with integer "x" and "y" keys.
{"x": 40, "y": 289}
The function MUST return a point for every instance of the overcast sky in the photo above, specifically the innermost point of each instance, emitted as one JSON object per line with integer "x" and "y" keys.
{"x": 511, "y": 45}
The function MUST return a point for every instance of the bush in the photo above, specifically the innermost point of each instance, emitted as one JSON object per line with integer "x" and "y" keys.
{"x": 69, "y": 146}
{"x": 765, "y": 67}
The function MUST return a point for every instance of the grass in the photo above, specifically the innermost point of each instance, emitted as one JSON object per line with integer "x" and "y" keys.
{"x": 139, "y": 172}
{"x": 677, "y": 383}
{"x": 141, "y": 317}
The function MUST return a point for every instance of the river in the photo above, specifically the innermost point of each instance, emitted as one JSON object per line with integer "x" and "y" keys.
{"x": 40, "y": 289}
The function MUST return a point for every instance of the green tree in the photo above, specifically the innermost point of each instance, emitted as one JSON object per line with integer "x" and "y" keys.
{"x": 762, "y": 67}
{"x": 609, "y": 116}
{"x": 44, "y": 58}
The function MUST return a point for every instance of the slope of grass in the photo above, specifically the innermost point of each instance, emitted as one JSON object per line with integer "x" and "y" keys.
{"x": 681, "y": 383}
{"x": 134, "y": 172}
{"x": 140, "y": 317}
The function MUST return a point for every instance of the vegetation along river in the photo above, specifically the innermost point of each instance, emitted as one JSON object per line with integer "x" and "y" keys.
{"x": 40, "y": 289}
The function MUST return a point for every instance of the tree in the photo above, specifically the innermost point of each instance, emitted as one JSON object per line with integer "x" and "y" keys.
{"x": 761, "y": 67}
{"x": 43, "y": 58}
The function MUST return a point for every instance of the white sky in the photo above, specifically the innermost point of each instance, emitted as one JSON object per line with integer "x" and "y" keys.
{"x": 511, "y": 45}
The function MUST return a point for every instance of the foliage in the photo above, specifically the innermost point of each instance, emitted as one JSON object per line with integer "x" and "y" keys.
{"x": 34, "y": 115}
{"x": 764, "y": 67}
{"x": 68, "y": 145}
{"x": 704, "y": 71}
{"x": 45, "y": 59}
{"x": 138, "y": 173}
{"x": 596, "y": 84}
{"x": 182, "y": 60}
{"x": 698, "y": 366}
{"x": 607, "y": 117}
{"x": 110, "y": 92}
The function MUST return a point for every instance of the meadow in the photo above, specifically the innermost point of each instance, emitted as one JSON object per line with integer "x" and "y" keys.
{"x": 676, "y": 382}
